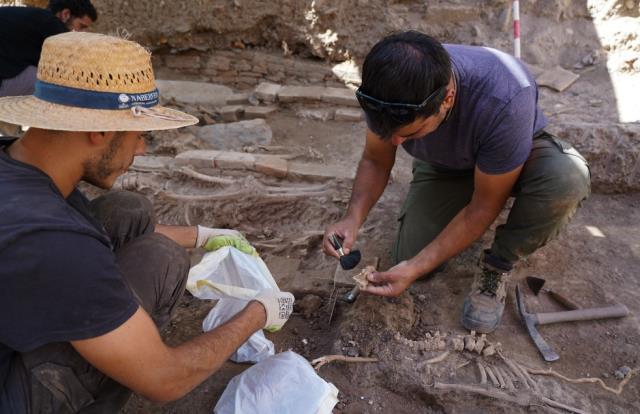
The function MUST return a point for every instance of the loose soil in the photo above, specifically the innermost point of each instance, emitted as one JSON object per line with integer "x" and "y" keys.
{"x": 595, "y": 267}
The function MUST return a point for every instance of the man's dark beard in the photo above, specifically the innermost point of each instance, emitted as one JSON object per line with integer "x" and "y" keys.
{"x": 96, "y": 173}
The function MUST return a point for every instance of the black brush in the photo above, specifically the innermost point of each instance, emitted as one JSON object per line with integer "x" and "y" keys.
{"x": 347, "y": 261}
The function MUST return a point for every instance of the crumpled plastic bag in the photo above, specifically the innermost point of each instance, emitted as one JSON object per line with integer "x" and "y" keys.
{"x": 233, "y": 278}
{"x": 229, "y": 273}
{"x": 256, "y": 349}
{"x": 282, "y": 384}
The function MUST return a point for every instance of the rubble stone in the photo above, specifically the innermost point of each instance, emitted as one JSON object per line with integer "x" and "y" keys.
{"x": 197, "y": 158}
{"x": 345, "y": 114}
{"x": 236, "y": 135}
{"x": 253, "y": 112}
{"x": 316, "y": 114}
{"x": 231, "y": 113}
{"x": 238, "y": 98}
{"x": 320, "y": 172}
{"x": 340, "y": 96}
{"x": 267, "y": 92}
{"x": 300, "y": 94}
{"x": 198, "y": 93}
{"x": 273, "y": 166}
{"x": 229, "y": 160}
{"x": 150, "y": 163}
{"x": 557, "y": 78}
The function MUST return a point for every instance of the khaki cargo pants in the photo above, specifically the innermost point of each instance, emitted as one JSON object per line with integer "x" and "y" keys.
{"x": 554, "y": 180}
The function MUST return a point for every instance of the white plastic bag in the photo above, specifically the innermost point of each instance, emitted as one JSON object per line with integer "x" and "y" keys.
{"x": 257, "y": 347}
{"x": 282, "y": 384}
{"x": 227, "y": 272}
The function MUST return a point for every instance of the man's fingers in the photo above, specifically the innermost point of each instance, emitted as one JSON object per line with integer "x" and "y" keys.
{"x": 328, "y": 247}
{"x": 385, "y": 289}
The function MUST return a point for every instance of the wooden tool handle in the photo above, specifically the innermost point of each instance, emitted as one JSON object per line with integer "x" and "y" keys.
{"x": 616, "y": 311}
{"x": 563, "y": 300}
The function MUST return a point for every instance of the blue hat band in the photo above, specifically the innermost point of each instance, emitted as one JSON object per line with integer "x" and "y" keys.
{"x": 82, "y": 98}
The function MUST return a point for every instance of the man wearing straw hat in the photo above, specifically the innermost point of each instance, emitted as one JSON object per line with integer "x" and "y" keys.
{"x": 86, "y": 285}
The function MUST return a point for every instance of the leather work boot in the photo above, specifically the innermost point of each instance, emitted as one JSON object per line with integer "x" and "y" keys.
{"x": 484, "y": 305}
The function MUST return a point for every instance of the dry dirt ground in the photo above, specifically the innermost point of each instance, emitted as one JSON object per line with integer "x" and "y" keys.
{"x": 595, "y": 260}
{"x": 596, "y": 267}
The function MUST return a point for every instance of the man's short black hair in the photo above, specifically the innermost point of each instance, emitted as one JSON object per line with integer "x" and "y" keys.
{"x": 78, "y": 8}
{"x": 404, "y": 67}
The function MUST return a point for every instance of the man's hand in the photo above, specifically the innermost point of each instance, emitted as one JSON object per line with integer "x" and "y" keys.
{"x": 392, "y": 282}
{"x": 346, "y": 229}
{"x": 205, "y": 233}
{"x": 278, "y": 307}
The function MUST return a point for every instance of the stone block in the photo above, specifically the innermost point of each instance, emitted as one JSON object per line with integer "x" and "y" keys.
{"x": 231, "y": 113}
{"x": 228, "y": 160}
{"x": 238, "y": 98}
{"x": 300, "y": 94}
{"x": 197, "y": 158}
{"x": 198, "y": 93}
{"x": 557, "y": 78}
{"x": 236, "y": 135}
{"x": 150, "y": 163}
{"x": 182, "y": 61}
{"x": 323, "y": 114}
{"x": 253, "y": 112}
{"x": 273, "y": 166}
{"x": 219, "y": 63}
{"x": 320, "y": 172}
{"x": 347, "y": 114}
{"x": 267, "y": 91}
{"x": 340, "y": 96}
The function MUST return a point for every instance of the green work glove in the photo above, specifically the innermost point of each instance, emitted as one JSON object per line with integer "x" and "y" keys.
{"x": 239, "y": 242}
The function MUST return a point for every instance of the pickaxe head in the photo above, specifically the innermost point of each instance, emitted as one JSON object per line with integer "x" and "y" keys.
{"x": 530, "y": 321}
{"x": 535, "y": 284}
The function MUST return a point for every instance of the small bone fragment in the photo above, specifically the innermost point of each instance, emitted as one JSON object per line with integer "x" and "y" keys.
{"x": 508, "y": 378}
{"x": 489, "y": 350}
{"x": 483, "y": 373}
{"x": 498, "y": 374}
{"x": 439, "y": 358}
{"x": 616, "y": 391}
{"x": 469, "y": 343}
{"x": 492, "y": 377}
{"x": 361, "y": 278}
{"x": 458, "y": 344}
{"x": 515, "y": 371}
{"x": 480, "y": 343}
{"x": 319, "y": 362}
{"x": 521, "y": 400}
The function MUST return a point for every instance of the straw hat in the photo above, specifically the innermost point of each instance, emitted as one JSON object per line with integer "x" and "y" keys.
{"x": 93, "y": 82}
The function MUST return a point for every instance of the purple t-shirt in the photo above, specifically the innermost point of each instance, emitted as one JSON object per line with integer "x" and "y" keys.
{"x": 494, "y": 117}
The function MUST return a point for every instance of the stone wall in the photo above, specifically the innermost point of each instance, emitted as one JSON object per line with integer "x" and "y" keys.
{"x": 244, "y": 69}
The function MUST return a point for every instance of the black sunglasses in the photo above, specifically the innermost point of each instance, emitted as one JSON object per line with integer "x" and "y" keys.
{"x": 393, "y": 108}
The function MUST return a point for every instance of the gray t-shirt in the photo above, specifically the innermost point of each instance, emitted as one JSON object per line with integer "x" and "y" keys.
{"x": 494, "y": 117}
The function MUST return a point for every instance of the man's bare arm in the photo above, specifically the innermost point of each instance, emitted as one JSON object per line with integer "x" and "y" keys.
{"x": 489, "y": 197}
{"x": 184, "y": 236}
{"x": 371, "y": 180}
{"x": 372, "y": 176}
{"x": 135, "y": 355}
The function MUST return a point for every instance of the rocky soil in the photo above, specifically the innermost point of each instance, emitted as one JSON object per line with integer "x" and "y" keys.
{"x": 316, "y": 144}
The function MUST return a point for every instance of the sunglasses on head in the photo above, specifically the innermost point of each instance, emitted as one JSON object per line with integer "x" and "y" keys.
{"x": 393, "y": 108}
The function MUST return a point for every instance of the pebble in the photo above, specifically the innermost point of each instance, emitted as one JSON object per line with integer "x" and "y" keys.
{"x": 622, "y": 372}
